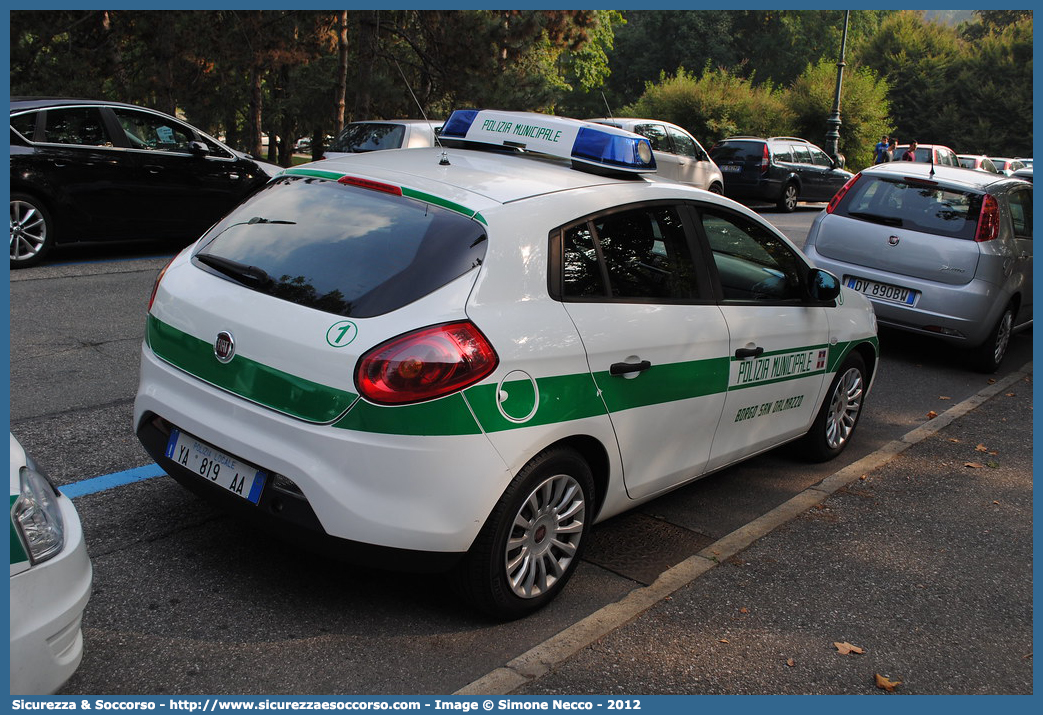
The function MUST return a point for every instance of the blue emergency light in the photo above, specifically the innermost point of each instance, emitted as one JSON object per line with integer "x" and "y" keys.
{"x": 585, "y": 142}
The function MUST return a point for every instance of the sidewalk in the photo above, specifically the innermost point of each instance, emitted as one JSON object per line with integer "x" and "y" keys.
{"x": 920, "y": 568}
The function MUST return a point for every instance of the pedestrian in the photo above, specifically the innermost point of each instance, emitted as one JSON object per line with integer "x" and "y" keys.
{"x": 881, "y": 148}
{"x": 892, "y": 148}
{"x": 910, "y": 153}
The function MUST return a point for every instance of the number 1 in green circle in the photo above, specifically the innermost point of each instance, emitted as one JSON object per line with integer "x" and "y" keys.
{"x": 342, "y": 333}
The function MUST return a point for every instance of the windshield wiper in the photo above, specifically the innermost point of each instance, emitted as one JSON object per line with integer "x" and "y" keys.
{"x": 876, "y": 218}
{"x": 261, "y": 219}
{"x": 247, "y": 275}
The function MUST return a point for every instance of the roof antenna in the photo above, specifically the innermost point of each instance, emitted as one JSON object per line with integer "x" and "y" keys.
{"x": 607, "y": 108}
{"x": 931, "y": 152}
{"x": 445, "y": 157}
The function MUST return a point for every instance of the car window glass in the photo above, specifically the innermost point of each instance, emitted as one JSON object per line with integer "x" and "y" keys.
{"x": 801, "y": 155}
{"x": 152, "y": 131}
{"x": 683, "y": 144}
{"x": 656, "y": 135}
{"x": 989, "y": 166}
{"x": 915, "y": 206}
{"x": 1021, "y": 212}
{"x": 753, "y": 264}
{"x": 968, "y": 163}
{"x": 783, "y": 152}
{"x": 215, "y": 149}
{"x": 348, "y": 251}
{"x": 820, "y": 158}
{"x": 644, "y": 253}
{"x": 582, "y": 276}
{"x": 75, "y": 125}
{"x": 25, "y": 124}
{"x": 369, "y": 136}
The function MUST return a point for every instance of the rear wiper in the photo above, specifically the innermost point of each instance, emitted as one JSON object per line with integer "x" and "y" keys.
{"x": 261, "y": 219}
{"x": 876, "y": 218}
{"x": 241, "y": 272}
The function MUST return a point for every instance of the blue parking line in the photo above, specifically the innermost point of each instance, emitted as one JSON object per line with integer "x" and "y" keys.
{"x": 110, "y": 481}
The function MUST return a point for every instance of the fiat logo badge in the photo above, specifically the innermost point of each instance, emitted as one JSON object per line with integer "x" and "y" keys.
{"x": 224, "y": 347}
{"x": 893, "y": 240}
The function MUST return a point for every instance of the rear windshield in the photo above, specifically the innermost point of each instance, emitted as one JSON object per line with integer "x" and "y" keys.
{"x": 364, "y": 136}
{"x": 341, "y": 249}
{"x": 913, "y": 205}
{"x": 738, "y": 151}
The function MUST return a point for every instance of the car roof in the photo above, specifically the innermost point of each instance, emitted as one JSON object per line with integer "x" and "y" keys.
{"x": 967, "y": 178}
{"x": 20, "y": 103}
{"x": 619, "y": 121}
{"x": 470, "y": 173}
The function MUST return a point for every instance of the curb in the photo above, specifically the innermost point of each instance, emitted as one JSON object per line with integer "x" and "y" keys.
{"x": 542, "y": 658}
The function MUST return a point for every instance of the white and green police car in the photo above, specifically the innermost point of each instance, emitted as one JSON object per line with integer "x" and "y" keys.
{"x": 50, "y": 580}
{"x": 460, "y": 358}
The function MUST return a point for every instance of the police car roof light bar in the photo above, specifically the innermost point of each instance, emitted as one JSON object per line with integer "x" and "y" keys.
{"x": 597, "y": 145}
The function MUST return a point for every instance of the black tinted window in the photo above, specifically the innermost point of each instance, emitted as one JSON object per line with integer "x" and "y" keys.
{"x": 643, "y": 252}
{"x": 25, "y": 124}
{"x": 364, "y": 136}
{"x": 747, "y": 152}
{"x": 76, "y": 125}
{"x": 753, "y": 264}
{"x": 1021, "y": 212}
{"x": 345, "y": 250}
{"x": 145, "y": 130}
{"x": 907, "y": 204}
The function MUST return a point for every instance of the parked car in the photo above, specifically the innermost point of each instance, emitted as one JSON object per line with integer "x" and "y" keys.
{"x": 1026, "y": 160}
{"x": 379, "y": 134}
{"x": 780, "y": 170}
{"x": 50, "y": 580}
{"x": 460, "y": 358}
{"x": 940, "y": 251}
{"x": 929, "y": 153}
{"x": 977, "y": 161}
{"x": 1006, "y": 165}
{"x": 84, "y": 170}
{"x": 1024, "y": 174}
{"x": 678, "y": 156}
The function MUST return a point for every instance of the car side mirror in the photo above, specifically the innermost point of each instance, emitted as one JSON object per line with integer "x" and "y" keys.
{"x": 198, "y": 149}
{"x": 823, "y": 286}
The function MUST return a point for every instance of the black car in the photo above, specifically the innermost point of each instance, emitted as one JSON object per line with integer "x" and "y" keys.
{"x": 84, "y": 170}
{"x": 780, "y": 170}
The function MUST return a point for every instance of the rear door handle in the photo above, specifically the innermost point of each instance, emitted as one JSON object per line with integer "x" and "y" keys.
{"x": 743, "y": 353}
{"x": 625, "y": 368}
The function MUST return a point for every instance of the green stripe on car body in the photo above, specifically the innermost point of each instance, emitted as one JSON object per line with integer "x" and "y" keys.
{"x": 407, "y": 192}
{"x": 562, "y": 398}
{"x": 247, "y": 378}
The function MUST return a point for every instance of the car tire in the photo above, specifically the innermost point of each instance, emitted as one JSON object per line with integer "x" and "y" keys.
{"x": 531, "y": 544}
{"x": 716, "y": 188}
{"x": 838, "y": 417}
{"x": 32, "y": 231}
{"x": 988, "y": 356}
{"x": 788, "y": 198}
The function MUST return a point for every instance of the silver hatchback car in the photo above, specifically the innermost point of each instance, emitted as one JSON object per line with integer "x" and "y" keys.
{"x": 938, "y": 250}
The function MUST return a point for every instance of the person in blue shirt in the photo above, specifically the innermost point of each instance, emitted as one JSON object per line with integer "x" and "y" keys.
{"x": 882, "y": 150}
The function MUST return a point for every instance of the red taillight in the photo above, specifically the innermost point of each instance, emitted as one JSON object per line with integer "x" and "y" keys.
{"x": 155, "y": 286}
{"x": 988, "y": 219}
{"x": 765, "y": 159}
{"x": 425, "y": 364}
{"x": 840, "y": 194}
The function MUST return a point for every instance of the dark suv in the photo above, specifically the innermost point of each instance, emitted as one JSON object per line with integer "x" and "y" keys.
{"x": 780, "y": 170}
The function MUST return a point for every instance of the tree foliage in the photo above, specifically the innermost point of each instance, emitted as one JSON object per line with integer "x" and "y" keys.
{"x": 290, "y": 73}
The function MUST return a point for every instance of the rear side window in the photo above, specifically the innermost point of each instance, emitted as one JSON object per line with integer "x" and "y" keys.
{"x": 916, "y": 206}
{"x": 25, "y": 124}
{"x": 639, "y": 254}
{"x": 341, "y": 249}
{"x": 75, "y": 125}
{"x": 366, "y": 136}
{"x": 1021, "y": 212}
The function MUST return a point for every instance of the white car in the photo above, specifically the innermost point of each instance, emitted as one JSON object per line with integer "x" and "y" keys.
{"x": 50, "y": 580}
{"x": 380, "y": 134}
{"x": 679, "y": 157}
{"x": 461, "y": 358}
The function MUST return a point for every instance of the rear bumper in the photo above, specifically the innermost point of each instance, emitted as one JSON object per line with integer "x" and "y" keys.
{"x": 376, "y": 498}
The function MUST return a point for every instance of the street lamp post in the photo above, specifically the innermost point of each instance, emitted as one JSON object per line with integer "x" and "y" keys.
{"x": 833, "y": 135}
